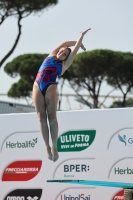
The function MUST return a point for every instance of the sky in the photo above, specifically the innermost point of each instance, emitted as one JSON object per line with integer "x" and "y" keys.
{"x": 111, "y": 23}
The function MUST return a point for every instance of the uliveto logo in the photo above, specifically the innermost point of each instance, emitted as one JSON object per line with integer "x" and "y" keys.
{"x": 18, "y": 144}
{"x": 79, "y": 197}
{"x": 119, "y": 195}
{"x": 75, "y": 140}
{"x": 22, "y": 170}
{"x": 24, "y": 194}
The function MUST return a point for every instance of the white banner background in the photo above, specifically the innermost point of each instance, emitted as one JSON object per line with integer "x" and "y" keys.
{"x": 105, "y": 154}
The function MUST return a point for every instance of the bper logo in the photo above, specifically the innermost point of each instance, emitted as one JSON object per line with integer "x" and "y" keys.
{"x": 24, "y": 194}
{"x": 22, "y": 170}
{"x": 119, "y": 195}
{"x": 76, "y": 168}
{"x": 75, "y": 140}
{"x": 79, "y": 197}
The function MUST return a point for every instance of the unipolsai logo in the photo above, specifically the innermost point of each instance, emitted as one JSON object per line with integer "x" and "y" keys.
{"x": 78, "y": 197}
{"x": 24, "y": 194}
{"x": 126, "y": 140}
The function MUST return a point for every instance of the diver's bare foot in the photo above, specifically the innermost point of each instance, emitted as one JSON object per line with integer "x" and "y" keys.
{"x": 49, "y": 154}
{"x": 55, "y": 154}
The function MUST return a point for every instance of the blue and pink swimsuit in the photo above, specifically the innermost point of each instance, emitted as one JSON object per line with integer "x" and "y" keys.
{"x": 48, "y": 72}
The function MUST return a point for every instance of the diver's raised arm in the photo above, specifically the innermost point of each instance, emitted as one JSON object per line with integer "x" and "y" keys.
{"x": 73, "y": 53}
{"x": 65, "y": 44}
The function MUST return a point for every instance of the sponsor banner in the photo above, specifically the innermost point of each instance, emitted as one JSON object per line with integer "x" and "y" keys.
{"x": 24, "y": 194}
{"x": 119, "y": 195}
{"x": 77, "y": 169}
{"x": 75, "y": 197}
{"x": 122, "y": 170}
{"x": 122, "y": 139}
{"x": 17, "y": 141}
{"x": 76, "y": 194}
{"x": 78, "y": 140}
{"x": 74, "y": 163}
{"x": 22, "y": 170}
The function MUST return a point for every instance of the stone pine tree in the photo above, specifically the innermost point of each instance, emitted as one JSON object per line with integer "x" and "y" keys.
{"x": 20, "y": 9}
{"x": 121, "y": 76}
{"x": 88, "y": 72}
{"x": 26, "y": 66}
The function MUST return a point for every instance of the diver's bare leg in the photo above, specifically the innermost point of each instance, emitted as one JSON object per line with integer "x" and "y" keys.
{"x": 39, "y": 103}
{"x": 51, "y": 99}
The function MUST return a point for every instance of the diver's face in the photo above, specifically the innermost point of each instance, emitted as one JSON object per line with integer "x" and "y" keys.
{"x": 62, "y": 54}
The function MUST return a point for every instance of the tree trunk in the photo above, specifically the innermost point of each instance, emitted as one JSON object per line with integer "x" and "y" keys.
{"x": 95, "y": 101}
{"x": 124, "y": 101}
{"x": 15, "y": 43}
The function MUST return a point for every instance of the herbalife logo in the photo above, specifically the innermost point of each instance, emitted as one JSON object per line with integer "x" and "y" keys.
{"x": 79, "y": 197}
{"x": 26, "y": 144}
{"x": 127, "y": 141}
{"x": 121, "y": 171}
{"x": 24, "y": 194}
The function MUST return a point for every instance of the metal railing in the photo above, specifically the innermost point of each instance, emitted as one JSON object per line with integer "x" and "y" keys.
{"x": 81, "y": 106}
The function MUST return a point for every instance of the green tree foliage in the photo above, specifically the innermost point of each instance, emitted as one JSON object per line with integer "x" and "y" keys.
{"x": 121, "y": 75}
{"x": 26, "y": 66}
{"x": 20, "y": 9}
{"x": 20, "y": 89}
{"x": 119, "y": 104}
{"x": 88, "y": 71}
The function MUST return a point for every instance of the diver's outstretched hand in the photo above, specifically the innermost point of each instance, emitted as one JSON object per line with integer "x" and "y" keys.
{"x": 84, "y": 32}
{"x": 82, "y": 47}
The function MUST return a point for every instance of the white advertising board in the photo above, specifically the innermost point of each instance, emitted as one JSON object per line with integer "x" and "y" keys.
{"x": 94, "y": 145}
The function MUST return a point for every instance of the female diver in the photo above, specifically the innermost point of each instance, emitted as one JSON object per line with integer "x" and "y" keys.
{"x": 44, "y": 94}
